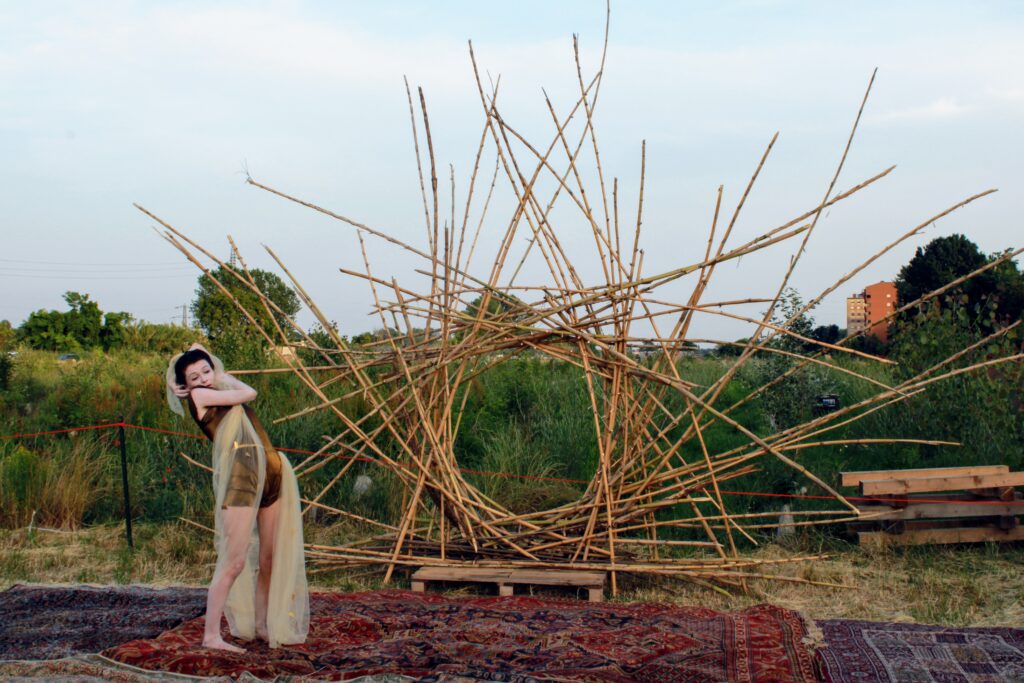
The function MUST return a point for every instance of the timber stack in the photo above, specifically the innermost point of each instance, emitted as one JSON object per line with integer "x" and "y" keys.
{"x": 941, "y": 505}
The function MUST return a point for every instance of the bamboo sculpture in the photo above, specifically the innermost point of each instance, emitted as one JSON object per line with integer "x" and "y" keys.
{"x": 434, "y": 345}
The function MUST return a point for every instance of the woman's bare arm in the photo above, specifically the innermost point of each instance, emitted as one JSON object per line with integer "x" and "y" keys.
{"x": 232, "y": 392}
{"x": 204, "y": 397}
{"x": 228, "y": 381}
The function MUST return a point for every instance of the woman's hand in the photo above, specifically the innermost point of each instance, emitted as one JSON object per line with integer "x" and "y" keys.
{"x": 180, "y": 391}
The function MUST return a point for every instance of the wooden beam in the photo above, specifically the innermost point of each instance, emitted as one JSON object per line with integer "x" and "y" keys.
{"x": 482, "y": 574}
{"x": 545, "y": 577}
{"x": 884, "y": 487}
{"x": 878, "y": 539}
{"x": 856, "y": 478}
{"x": 939, "y": 511}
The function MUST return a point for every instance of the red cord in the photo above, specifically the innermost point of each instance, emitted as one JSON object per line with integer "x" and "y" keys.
{"x": 759, "y": 494}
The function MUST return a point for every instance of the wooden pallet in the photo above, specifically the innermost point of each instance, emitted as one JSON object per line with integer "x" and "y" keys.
{"x": 507, "y": 579}
{"x": 905, "y": 511}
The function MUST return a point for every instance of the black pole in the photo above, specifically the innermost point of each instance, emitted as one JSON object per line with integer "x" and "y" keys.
{"x": 124, "y": 486}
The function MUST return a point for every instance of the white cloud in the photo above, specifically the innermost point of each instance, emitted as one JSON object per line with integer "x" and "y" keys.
{"x": 1005, "y": 94}
{"x": 164, "y": 102}
{"x": 942, "y": 108}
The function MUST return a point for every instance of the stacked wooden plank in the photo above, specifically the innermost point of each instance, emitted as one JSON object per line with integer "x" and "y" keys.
{"x": 937, "y": 505}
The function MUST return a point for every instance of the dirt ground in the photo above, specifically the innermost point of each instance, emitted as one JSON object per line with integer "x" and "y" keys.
{"x": 957, "y": 586}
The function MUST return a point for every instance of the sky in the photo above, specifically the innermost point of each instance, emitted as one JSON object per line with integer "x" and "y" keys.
{"x": 171, "y": 104}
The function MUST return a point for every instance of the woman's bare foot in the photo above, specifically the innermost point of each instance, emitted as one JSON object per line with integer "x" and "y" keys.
{"x": 262, "y": 634}
{"x": 219, "y": 643}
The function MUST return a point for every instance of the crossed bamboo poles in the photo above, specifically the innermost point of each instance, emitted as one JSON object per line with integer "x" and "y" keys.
{"x": 655, "y": 472}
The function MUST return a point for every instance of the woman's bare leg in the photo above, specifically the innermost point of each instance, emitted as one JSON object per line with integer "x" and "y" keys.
{"x": 237, "y": 520}
{"x": 267, "y": 521}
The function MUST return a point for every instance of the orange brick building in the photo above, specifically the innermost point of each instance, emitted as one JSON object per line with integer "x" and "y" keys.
{"x": 865, "y": 311}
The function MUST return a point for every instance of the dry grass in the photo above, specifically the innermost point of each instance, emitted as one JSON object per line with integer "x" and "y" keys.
{"x": 957, "y": 586}
{"x": 166, "y": 554}
{"x": 170, "y": 554}
{"x": 54, "y": 488}
{"x": 965, "y": 586}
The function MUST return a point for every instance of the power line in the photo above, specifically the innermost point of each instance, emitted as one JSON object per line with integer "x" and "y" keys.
{"x": 143, "y": 269}
{"x": 79, "y": 263}
{"x": 98, "y": 277}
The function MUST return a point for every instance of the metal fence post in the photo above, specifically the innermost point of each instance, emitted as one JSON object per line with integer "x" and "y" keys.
{"x": 124, "y": 485}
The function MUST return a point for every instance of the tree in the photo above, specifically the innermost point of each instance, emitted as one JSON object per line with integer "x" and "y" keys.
{"x": 790, "y": 401}
{"x": 495, "y": 308}
{"x": 980, "y": 409}
{"x": 790, "y": 303}
{"x": 380, "y": 334}
{"x": 114, "y": 333}
{"x": 830, "y": 334}
{"x": 362, "y": 338}
{"x": 7, "y": 335}
{"x": 228, "y": 329}
{"x": 45, "y": 330}
{"x": 996, "y": 294}
{"x": 84, "y": 320}
{"x": 162, "y": 338}
{"x": 869, "y": 343}
{"x": 84, "y": 326}
{"x": 321, "y": 338}
{"x": 734, "y": 349}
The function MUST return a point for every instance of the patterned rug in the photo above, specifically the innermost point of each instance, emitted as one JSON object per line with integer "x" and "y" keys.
{"x": 431, "y": 637}
{"x": 49, "y": 622}
{"x": 915, "y": 653}
{"x": 99, "y": 669}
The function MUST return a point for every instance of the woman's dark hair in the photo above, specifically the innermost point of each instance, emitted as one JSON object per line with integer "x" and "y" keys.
{"x": 188, "y": 358}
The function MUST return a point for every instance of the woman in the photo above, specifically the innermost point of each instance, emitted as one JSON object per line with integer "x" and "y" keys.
{"x": 259, "y": 582}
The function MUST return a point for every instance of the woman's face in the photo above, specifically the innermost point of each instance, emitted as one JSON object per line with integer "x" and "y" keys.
{"x": 198, "y": 374}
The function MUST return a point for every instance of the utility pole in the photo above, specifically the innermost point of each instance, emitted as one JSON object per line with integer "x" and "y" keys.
{"x": 184, "y": 314}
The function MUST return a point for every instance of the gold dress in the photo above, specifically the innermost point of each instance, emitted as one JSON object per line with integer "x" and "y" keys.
{"x": 244, "y": 476}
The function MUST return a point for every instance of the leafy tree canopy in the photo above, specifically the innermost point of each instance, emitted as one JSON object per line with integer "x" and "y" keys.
{"x": 163, "y": 338}
{"x": 229, "y": 331}
{"x": 830, "y": 334}
{"x": 996, "y": 293}
{"x": 7, "y": 335}
{"x": 495, "y": 307}
{"x": 787, "y": 314}
{"x": 84, "y": 326}
{"x": 321, "y": 338}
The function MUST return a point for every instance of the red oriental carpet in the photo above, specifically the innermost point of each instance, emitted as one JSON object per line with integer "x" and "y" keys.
{"x": 431, "y": 637}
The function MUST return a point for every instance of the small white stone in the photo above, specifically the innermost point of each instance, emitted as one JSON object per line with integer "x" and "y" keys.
{"x": 362, "y": 485}
{"x": 786, "y": 518}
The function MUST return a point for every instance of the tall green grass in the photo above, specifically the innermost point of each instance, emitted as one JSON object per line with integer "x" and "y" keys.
{"x": 55, "y": 489}
{"x": 527, "y": 416}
